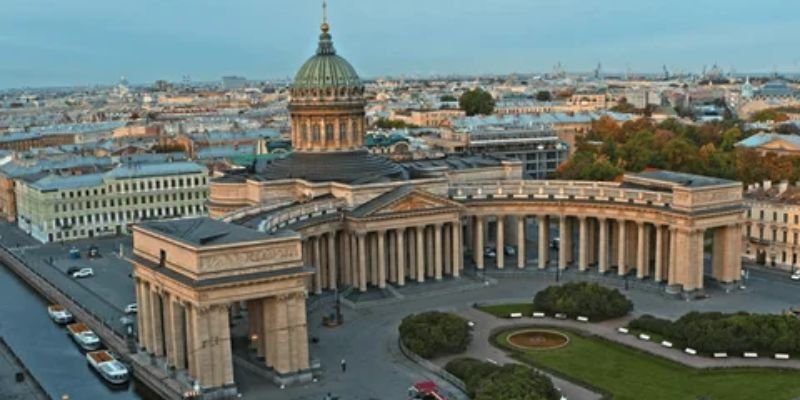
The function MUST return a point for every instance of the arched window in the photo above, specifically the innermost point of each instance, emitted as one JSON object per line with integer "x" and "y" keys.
{"x": 343, "y": 131}
{"x": 329, "y": 132}
{"x": 315, "y": 133}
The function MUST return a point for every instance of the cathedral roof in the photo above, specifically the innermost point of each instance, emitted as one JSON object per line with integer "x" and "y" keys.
{"x": 326, "y": 70}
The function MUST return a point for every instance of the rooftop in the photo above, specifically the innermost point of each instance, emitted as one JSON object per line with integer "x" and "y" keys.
{"x": 670, "y": 178}
{"x": 130, "y": 171}
{"x": 202, "y": 232}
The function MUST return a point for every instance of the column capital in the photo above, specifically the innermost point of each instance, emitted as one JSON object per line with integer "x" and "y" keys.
{"x": 581, "y": 217}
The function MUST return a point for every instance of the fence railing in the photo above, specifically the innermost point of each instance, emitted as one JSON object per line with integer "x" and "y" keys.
{"x": 559, "y": 190}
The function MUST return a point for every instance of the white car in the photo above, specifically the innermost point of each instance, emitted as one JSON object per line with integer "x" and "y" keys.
{"x": 132, "y": 308}
{"x": 83, "y": 273}
{"x": 796, "y": 276}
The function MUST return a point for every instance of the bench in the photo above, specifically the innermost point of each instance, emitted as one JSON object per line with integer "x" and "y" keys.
{"x": 690, "y": 351}
{"x": 643, "y": 336}
{"x": 623, "y": 331}
{"x": 750, "y": 355}
{"x": 583, "y": 319}
{"x": 538, "y": 315}
{"x": 720, "y": 355}
{"x": 666, "y": 344}
{"x": 781, "y": 356}
{"x": 515, "y": 315}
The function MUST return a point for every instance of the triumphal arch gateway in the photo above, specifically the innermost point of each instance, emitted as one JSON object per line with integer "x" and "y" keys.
{"x": 332, "y": 216}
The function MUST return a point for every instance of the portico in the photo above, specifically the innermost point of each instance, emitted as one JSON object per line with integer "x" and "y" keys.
{"x": 190, "y": 273}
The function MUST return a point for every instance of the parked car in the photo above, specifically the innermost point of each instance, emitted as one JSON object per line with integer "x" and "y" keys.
{"x": 74, "y": 253}
{"x": 83, "y": 273}
{"x": 796, "y": 276}
{"x": 489, "y": 252}
{"x": 554, "y": 243}
{"x": 72, "y": 270}
{"x": 132, "y": 308}
{"x": 510, "y": 250}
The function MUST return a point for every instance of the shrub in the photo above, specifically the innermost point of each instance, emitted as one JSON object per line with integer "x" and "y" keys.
{"x": 591, "y": 300}
{"x": 733, "y": 333}
{"x": 651, "y": 324}
{"x": 486, "y": 381}
{"x": 434, "y": 334}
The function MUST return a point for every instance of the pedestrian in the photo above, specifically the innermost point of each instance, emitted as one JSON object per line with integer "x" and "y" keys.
{"x": 344, "y": 365}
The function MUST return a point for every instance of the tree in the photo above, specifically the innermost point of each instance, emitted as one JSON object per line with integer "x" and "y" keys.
{"x": 434, "y": 334}
{"x": 591, "y": 300}
{"x": 476, "y": 101}
{"x": 769, "y": 115}
{"x": 624, "y": 107}
{"x": 486, "y": 381}
{"x": 544, "y": 95}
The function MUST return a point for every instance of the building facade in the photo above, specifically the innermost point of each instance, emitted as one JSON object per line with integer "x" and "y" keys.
{"x": 772, "y": 230}
{"x": 59, "y": 208}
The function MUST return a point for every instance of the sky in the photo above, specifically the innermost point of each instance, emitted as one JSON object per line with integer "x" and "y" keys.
{"x": 80, "y": 42}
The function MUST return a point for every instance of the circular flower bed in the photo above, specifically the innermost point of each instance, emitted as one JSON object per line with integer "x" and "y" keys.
{"x": 538, "y": 339}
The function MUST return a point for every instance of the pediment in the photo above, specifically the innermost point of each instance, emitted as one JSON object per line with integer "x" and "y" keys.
{"x": 404, "y": 200}
{"x": 414, "y": 202}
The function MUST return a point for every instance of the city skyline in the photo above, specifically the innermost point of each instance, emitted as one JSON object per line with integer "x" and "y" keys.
{"x": 89, "y": 42}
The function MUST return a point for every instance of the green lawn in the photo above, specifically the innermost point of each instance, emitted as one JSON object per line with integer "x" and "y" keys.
{"x": 629, "y": 374}
{"x": 504, "y": 310}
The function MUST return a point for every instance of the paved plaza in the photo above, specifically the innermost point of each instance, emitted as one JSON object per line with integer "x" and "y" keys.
{"x": 368, "y": 339}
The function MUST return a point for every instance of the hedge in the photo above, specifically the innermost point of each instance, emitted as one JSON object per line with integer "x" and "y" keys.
{"x": 486, "y": 381}
{"x": 434, "y": 334}
{"x": 714, "y": 332}
{"x": 591, "y": 300}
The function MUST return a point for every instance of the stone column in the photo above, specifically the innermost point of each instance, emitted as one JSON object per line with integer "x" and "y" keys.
{"x": 621, "y": 253}
{"x": 477, "y": 253}
{"x": 332, "y": 267}
{"x": 673, "y": 249}
{"x": 191, "y": 345}
{"x": 177, "y": 338}
{"x": 562, "y": 242}
{"x": 602, "y": 243}
{"x": 401, "y": 256}
{"x": 362, "y": 262}
{"x": 381, "y": 259}
{"x": 499, "y": 242}
{"x": 347, "y": 260}
{"x": 641, "y": 262}
{"x": 316, "y": 257}
{"x": 430, "y": 257}
{"x": 659, "y": 252}
{"x": 143, "y": 316}
{"x": 569, "y": 243}
{"x": 157, "y": 324}
{"x": 447, "y": 250}
{"x": 354, "y": 266}
{"x": 372, "y": 258}
{"x": 212, "y": 346}
{"x": 392, "y": 239}
{"x": 412, "y": 253}
{"x": 521, "y": 256}
{"x": 457, "y": 251}
{"x": 543, "y": 245}
{"x": 583, "y": 245}
{"x": 437, "y": 251}
{"x": 420, "y": 254}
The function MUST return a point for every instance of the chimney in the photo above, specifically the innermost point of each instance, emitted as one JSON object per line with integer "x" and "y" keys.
{"x": 783, "y": 186}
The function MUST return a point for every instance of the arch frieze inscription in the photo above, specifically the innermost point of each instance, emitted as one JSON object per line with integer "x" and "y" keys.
{"x": 260, "y": 257}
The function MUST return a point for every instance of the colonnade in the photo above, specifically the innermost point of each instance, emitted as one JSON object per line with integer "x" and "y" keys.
{"x": 364, "y": 258}
{"x": 660, "y": 251}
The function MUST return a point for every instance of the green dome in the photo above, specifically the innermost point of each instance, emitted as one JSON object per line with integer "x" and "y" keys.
{"x": 326, "y": 70}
